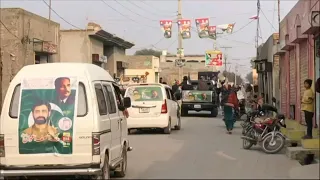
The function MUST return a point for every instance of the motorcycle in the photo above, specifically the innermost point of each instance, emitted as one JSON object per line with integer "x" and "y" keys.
{"x": 266, "y": 133}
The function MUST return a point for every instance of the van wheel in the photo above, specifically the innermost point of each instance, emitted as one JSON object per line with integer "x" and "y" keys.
{"x": 167, "y": 130}
{"x": 122, "y": 170}
{"x": 105, "y": 171}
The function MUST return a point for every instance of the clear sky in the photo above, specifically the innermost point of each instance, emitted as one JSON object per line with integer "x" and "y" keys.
{"x": 138, "y": 21}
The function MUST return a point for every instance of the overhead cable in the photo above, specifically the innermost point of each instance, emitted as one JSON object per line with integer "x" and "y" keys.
{"x": 151, "y": 12}
{"x": 104, "y": 2}
{"x": 134, "y": 12}
{"x": 267, "y": 20}
{"x": 60, "y": 16}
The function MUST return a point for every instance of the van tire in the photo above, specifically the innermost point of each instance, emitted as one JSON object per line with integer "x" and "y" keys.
{"x": 105, "y": 171}
{"x": 167, "y": 130}
{"x": 123, "y": 165}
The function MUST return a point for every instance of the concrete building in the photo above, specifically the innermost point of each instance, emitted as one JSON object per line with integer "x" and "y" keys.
{"x": 26, "y": 38}
{"x": 264, "y": 66}
{"x": 139, "y": 66}
{"x": 94, "y": 45}
{"x": 299, "y": 31}
{"x": 193, "y": 64}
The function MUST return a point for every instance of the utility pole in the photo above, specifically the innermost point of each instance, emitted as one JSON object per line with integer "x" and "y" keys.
{"x": 225, "y": 57}
{"x": 180, "y": 40}
{"x": 279, "y": 17}
{"x": 257, "y": 43}
{"x": 49, "y": 24}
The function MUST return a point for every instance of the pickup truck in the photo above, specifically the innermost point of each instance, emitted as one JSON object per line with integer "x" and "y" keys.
{"x": 198, "y": 100}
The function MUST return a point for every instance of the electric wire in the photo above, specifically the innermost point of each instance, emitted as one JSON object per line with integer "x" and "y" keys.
{"x": 9, "y": 30}
{"x": 143, "y": 47}
{"x": 267, "y": 20}
{"x": 273, "y": 14}
{"x": 60, "y": 16}
{"x": 133, "y": 11}
{"x": 126, "y": 15}
{"x": 157, "y": 8}
{"x": 147, "y": 10}
{"x": 241, "y": 28}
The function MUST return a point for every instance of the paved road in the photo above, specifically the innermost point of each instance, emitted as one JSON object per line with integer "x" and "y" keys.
{"x": 201, "y": 149}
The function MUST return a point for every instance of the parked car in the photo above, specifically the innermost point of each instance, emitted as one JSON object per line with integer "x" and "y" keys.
{"x": 64, "y": 122}
{"x": 153, "y": 106}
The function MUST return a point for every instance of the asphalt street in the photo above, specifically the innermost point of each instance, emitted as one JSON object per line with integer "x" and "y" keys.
{"x": 201, "y": 149}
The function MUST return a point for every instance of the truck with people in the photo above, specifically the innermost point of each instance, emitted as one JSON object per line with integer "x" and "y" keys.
{"x": 201, "y": 95}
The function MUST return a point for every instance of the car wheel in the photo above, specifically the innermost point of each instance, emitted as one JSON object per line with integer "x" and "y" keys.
{"x": 167, "y": 130}
{"x": 105, "y": 171}
{"x": 214, "y": 112}
{"x": 122, "y": 170}
{"x": 184, "y": 112}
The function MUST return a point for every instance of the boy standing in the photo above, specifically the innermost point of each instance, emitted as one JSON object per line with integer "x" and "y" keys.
{"x": 307, "y": 106}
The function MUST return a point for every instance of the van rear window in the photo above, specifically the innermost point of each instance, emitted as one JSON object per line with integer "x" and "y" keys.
{"x": 144, "y": 93}
{"x": 82, "y": 102}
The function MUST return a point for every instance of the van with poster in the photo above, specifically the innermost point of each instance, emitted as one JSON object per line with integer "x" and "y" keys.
{"x": 63, "y": 119}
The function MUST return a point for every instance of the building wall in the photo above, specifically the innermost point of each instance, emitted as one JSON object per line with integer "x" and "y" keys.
{"x": 140, "y": 72}
{"x": 114, "y": 54}
{"x": 17, "y": 48}
{"x": 294, "y": 31}
{"x": 75, "y": 46}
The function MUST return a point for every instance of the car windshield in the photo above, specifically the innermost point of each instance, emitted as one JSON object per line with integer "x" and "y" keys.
{"x": 144, "y": 93}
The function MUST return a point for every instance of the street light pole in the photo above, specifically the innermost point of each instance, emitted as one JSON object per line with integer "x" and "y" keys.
{"x": 180, "y": 65}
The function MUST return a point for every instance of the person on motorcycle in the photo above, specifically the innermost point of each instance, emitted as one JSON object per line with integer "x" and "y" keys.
{"x": 230, "y": 104}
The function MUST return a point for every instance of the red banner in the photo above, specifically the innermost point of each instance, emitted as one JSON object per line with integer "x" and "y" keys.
{"x": 166, "y": 27}
{"x": 185, "y": 28}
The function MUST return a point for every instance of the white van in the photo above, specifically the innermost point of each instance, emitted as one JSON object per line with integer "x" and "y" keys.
{"x": 153, "y": 106}
{"x": 63, "y": 119}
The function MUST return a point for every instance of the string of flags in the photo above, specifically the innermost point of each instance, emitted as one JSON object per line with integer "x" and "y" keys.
{"x": 204, "y": 30}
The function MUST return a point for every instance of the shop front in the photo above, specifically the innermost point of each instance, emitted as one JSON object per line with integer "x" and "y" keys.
{"x": 317, "y": 74}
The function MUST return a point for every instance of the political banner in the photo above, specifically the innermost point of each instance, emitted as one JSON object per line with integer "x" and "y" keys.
{"x": 185, "y": 28}
{"x": 166, "y": 27}
{"x": 203, "y": 27}
{"x": 213, "y": 32}
{"x": 196, "y": 96}
{"x": 213, "y": 58}
{"x": 227, "y": 28}
{"x": 46, "y": 115}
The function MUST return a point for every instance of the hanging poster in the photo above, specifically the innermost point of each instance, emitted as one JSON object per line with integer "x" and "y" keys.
{"x": 185, "y": 28}
{"x": 213, "y": 58}
{"x": 203, "y": 27}
{"x": 46, "y": 115}
{"x": 213, "y": 32}
{"x": 227, "y": 28}
{"x": 166, "y": 27}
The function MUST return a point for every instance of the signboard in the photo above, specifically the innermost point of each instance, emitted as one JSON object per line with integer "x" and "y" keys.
{"x": 49, "y": 47}
{"x": 213, "y": 58}
{"x": 180, "y": 52}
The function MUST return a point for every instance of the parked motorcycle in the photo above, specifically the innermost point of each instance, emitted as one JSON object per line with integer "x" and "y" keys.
{"x": 266, "y": 133}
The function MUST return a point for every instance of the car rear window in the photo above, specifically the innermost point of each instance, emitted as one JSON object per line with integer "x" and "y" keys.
{"x": 82, "y": 102}
{"x": 144, "y": 93}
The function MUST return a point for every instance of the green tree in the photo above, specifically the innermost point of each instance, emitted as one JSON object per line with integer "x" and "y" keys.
{"x": 249, "y": 77}
{"x": 231, "y": 77}
{"x": 150, "y": 52}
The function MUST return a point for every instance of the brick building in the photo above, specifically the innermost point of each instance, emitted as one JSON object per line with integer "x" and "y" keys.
{"x": 299, "y": 32}
{"x": 26, "y": 38}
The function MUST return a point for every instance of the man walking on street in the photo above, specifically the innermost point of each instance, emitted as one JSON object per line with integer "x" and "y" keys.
{"x": 307, "y": 106}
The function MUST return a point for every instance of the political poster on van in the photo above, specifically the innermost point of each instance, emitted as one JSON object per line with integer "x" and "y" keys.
{"x": 185, "y": 28}
{"x": 166, "y": 27}
{"x": 46, "y": 115}
{"x": 203, "y": 27}
{"x": 196, "y": 96}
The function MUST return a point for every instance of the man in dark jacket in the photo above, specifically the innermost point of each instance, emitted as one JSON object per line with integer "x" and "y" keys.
{"x": 175, "y": 87}
{"x": 185, "y": 85}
